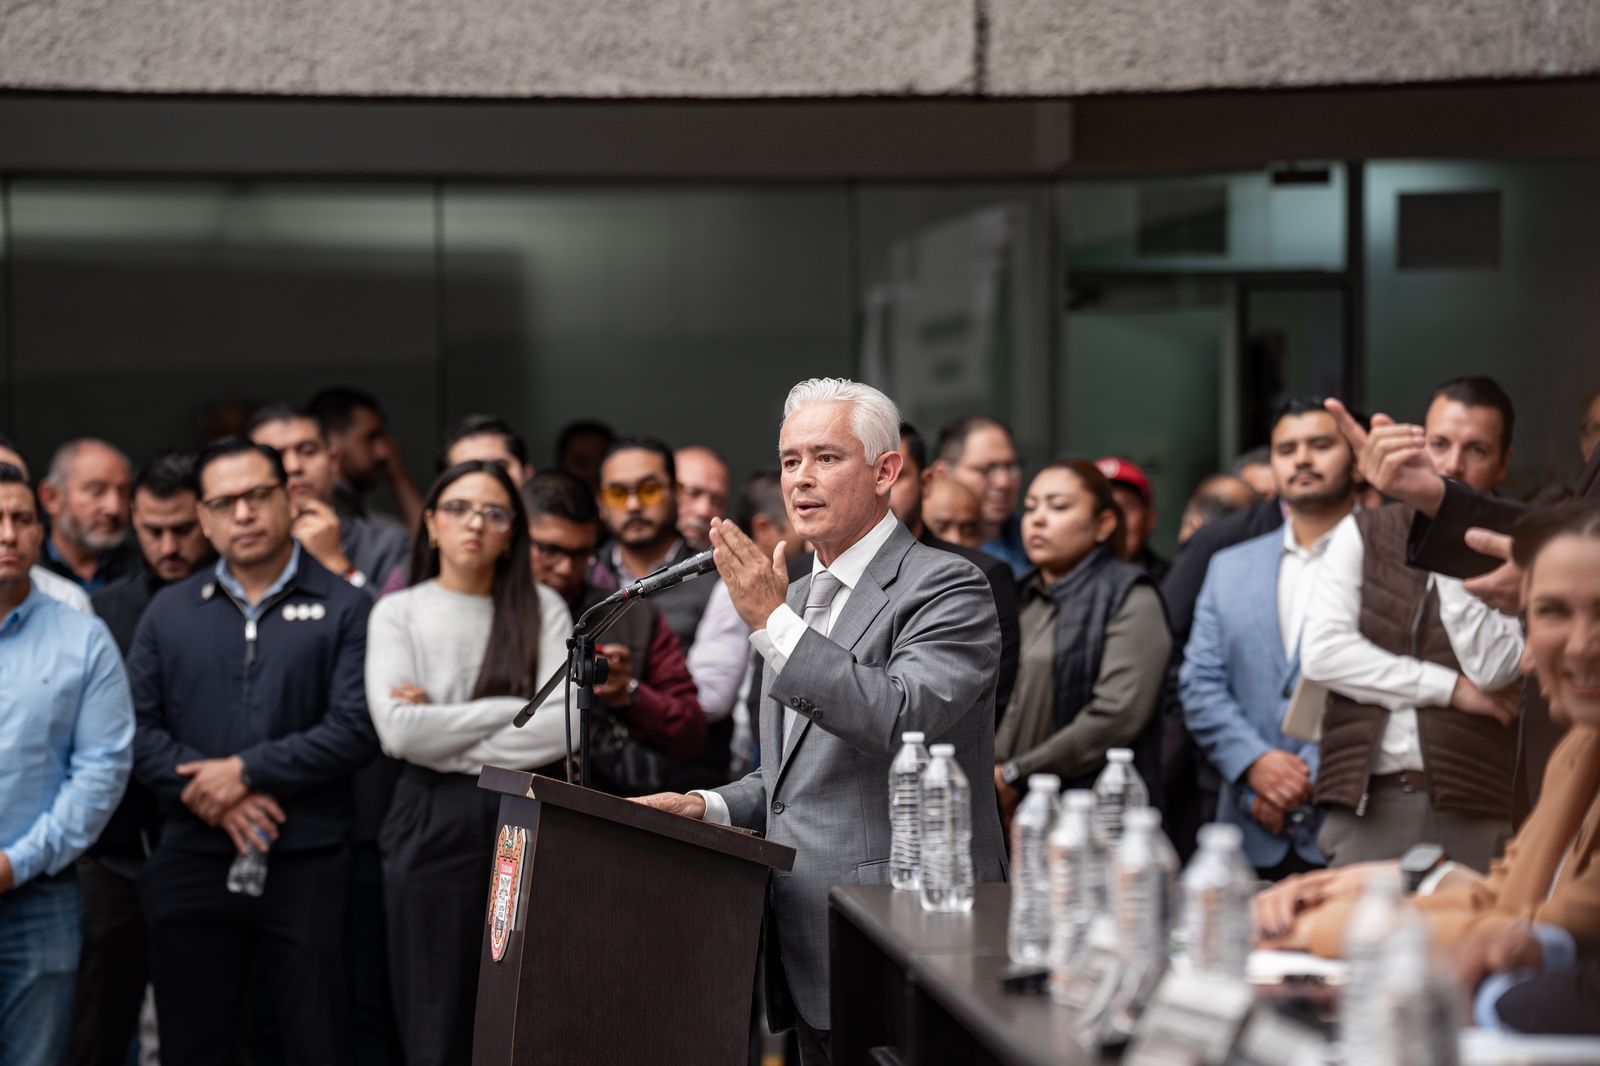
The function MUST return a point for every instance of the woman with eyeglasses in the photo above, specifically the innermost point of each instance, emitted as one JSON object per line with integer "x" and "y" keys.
{"x": 450, "y": 661}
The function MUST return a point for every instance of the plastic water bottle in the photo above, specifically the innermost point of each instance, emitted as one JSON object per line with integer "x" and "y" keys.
{"x": 905, "y": 811}
{"x": 1143, "y": 874}
{"x": 1028, "y": 935}
{"x": 1420, "y": 997}
{"x": 1364, "y": 1023}
{"x": 1077, "y": 889}
{"x": 1214, "y": 918}
{"x": 248, "y": 874}
{"x": 1118, "y": 789}
{"x": 946, "y": 883}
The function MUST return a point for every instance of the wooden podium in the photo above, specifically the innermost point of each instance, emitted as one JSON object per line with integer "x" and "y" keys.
{"x": 614, "y": 932}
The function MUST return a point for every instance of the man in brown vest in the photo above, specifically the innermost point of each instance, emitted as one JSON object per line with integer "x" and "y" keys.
{"x": 1417, "y": 744}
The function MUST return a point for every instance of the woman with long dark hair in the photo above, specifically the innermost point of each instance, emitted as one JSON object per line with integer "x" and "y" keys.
{"x": 1094, "y": 641}
{"x": 450, "y": 661}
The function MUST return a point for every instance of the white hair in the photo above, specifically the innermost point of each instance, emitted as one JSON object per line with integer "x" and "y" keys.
{"x": 874, "y": 417}
{"x": 61, "y": 462}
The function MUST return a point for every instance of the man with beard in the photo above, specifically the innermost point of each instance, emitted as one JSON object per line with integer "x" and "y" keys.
{"x": 1417, "y": 741}
{"x": 703, "y": 488}
{"x": 86, "y": 496}
{"x": 115, "y": 968}
{"x": 1238, "y": 679}
{"x": 639, "y": 503}
{"x": 358, "y": 431}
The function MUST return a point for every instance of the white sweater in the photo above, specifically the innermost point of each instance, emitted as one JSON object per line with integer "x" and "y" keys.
{"x": 434, "y": 638}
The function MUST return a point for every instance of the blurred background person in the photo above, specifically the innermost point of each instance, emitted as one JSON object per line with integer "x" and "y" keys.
{"x": 358, "y": 432}
{"x": 703, "y": 487}
{"x": 1217, "y": 497}
{"x": 1094, "y": 642}
{"x": 580, "y": 448}
{"x": 115, "y": 966}
{"x": 1130, "y": 486}
{"x": 48, "y": 582}
{"x": 450, "y": 661}
{"x": 979, "y": 452}
{"x": 952, "y": 513}
{"x": 485, "y": 438}
{"x": 86, "y": 494}
{"x": 1254, "y": 468}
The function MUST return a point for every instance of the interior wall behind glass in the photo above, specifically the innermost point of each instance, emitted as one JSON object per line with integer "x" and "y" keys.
{"x": 957, "y": 301}
{"x": 155, "y": 314}
{"x": 684, "y": 312}
{"x": 1531, "y": 323}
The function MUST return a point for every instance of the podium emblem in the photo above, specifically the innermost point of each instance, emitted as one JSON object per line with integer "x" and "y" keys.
{"x": 508, "y": 853}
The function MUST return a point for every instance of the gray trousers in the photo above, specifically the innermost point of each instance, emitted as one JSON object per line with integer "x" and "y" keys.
{"x": 1395, "y": 820}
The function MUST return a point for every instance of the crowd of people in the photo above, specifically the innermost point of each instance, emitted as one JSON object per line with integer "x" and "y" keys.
{"x": 229, "y": 650}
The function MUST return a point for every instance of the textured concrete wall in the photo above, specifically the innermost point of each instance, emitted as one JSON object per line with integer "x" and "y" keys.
{"x": 776, "y": 48}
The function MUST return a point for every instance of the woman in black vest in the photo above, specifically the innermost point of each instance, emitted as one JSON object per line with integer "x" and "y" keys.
{"x": 1094, "y": 641}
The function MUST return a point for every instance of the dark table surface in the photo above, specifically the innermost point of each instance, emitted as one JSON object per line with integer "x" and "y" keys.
{"x": 956, "y": 960}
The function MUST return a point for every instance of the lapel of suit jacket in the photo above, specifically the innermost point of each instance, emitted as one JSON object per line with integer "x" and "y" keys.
{"x": 866, "y": 601}
{"x": 1261, "y": 592}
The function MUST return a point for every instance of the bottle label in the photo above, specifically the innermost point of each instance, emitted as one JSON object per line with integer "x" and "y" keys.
{"x": 505, "y": 885}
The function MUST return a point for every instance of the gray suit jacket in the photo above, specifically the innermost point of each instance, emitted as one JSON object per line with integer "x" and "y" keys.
{"x": 916, "y": 647}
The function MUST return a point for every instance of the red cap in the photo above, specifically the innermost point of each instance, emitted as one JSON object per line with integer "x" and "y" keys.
{"x": 1122, "y": 472}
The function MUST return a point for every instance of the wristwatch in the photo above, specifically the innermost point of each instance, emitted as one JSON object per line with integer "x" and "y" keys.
{"x": 1417, "y": 863}
{"x": 356, "y": 578}
{"x": 632, "y": 693}
{"x": 1010, "y": 772}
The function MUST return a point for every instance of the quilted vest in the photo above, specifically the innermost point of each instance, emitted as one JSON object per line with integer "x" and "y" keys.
{"x": 1467, "y": 759}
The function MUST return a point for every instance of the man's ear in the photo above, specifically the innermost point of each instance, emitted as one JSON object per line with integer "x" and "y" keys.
{"x": 889, "y": 466}
{"x": 927, "y": 479}
{"x": 50, "y": 499}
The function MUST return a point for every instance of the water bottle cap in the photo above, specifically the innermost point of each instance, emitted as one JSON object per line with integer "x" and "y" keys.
{"x": 1044, "y": 783}
{"x": 1079, "y": 799}
{"x": 1220, "y": 835}
{"x": 913, "y": 737}
{"x": 943, "y": 751}
{"x": 1122, "y": 755}
{"x": 1142, "y": 818}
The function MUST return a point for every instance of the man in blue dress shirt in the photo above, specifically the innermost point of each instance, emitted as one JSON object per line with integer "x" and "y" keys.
{"x": 66, "y": 726}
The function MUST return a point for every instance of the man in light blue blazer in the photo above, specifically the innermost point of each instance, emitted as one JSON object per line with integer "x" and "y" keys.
{"x": 1242, "y": 662}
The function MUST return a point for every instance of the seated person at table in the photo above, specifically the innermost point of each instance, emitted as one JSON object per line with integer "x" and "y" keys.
{"x": 1543, "y": 897}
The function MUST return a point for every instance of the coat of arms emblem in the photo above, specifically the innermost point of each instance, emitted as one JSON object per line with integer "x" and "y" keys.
{"x": 505, "y": 886}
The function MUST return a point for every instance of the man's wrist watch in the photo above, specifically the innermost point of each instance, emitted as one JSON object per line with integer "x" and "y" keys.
{"x": 1417, "y": 863}
{"x": 632, "y": 694}
{"x": 1010, "y": 772}
{"x": 244, "y": 775}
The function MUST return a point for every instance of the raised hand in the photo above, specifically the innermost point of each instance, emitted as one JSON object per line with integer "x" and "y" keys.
{"x": 756, "y": 583}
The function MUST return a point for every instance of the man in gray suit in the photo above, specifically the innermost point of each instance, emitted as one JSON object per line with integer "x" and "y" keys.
{"x": 886, "y": 635}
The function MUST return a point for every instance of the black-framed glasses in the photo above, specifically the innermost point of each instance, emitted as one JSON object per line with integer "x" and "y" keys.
{"x": 254, "y": 499}
{"x": 578, "y": 556}
{"x": 496, "y": 519}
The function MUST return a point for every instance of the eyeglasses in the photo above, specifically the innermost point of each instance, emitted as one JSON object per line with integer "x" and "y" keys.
{"x": 649, "y": 492}
{"x": 578, "y": 556}
{"x": 496, "y": 519}
{"x": 254, "y": 499}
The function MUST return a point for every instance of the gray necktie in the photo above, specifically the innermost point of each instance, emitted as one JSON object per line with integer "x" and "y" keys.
{"x": 819, "y": 602}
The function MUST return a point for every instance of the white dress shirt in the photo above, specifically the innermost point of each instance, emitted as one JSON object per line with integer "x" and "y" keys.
{"x": 1487, "y": 644}
{"x": 1298, "y": 570}
{"x": 720, "y": 655}
{"x": 785, "y": 628}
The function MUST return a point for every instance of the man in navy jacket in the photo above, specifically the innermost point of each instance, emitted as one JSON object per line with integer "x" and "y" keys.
{"x": 251, "y": 717}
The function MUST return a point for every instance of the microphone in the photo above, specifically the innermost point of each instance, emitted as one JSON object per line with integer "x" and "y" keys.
{"x": 661, "y": 580}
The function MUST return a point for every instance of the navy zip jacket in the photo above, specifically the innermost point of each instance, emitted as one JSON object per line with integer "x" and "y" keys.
{"x": 291, "y": 702}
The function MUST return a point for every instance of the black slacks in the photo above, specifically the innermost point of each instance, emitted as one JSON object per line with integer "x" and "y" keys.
{"x": 114, "y": 967}
{"x": 206, "y": 944}
{"x": 437, "y": 843}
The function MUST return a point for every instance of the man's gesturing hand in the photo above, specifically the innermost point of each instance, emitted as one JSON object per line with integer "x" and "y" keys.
{"x": 215, "y": 785}
{"x": 1393, "y": 458}
{"x": 757, "y": 584}
{"x": 675, "y": 803}
{"x": 1500, "y": 588}
{"x": 1283, "y": 780}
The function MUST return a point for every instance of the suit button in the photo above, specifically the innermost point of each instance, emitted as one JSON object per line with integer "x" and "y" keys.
{"x": 778, "y": 806}
{"x": 796, "y": 702}
{"x": 816, "y": 715}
